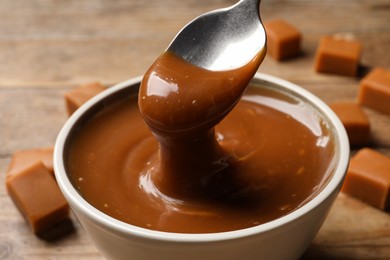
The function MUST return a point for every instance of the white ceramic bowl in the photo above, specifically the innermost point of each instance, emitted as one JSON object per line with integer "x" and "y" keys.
{"x": 284, "y": 238}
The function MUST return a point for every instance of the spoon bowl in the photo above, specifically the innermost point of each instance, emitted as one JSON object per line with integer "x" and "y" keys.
{"x": 223, "y": 39}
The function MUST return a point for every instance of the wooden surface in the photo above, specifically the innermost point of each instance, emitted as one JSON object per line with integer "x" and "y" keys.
{"x": 49, "y": 46}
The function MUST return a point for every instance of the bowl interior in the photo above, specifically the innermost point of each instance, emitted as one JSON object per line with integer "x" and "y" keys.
{"x": 128, "y": 88}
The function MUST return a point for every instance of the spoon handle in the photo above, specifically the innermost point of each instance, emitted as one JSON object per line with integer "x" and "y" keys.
{"x": 250, "y": 3}
{"x": 247, "y": 8}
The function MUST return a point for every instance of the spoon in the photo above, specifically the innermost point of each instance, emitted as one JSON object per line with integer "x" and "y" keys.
{"x": 223, "y": 39}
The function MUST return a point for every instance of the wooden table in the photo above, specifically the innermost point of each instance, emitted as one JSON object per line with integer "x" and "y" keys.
{"x": 48, "y": 47}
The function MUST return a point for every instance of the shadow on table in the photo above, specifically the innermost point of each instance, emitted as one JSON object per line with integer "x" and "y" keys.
{"x": 58, "y": 231}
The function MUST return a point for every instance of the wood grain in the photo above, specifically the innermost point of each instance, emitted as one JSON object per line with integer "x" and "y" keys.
{"x": 48, "y": 47}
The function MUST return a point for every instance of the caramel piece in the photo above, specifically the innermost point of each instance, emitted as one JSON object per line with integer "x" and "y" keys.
{"x": 338, "y": 55}
{"x": 355, "y": 122}
{"x": 25, "y": 158}
{"x": 368, "y": 178}
{"x": 38, "y": 198}
{"x": 374, "y": 90}
{"x": 283, "y": 40}
{"x": 78, "y": 96}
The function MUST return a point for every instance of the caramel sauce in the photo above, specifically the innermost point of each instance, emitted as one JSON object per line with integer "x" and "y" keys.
{"x": 181, "y": 104}
{"x": 209, "y": 166}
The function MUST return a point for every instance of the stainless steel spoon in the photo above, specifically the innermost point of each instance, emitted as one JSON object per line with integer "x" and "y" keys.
{"x": 223, "y": 39}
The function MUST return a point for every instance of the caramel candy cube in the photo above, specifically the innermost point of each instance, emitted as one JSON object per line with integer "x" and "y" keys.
{"x": 337, "y": 55}
{"x": 38, "y": 197}
{"x": 283, "y": 40}
{"x": 25, "y": 158}
{"x": 374, "y": 90}
{"x": 78, "y": 96}
{"x": 368, "y": 178}
{"x": 355, "y": 122}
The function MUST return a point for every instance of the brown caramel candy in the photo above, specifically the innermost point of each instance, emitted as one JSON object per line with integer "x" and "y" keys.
{"x": 283, "y": 40}
{"x": 78, "y": 96}
{"x": 25, "y": 158}
{"x": 355, "y": 122}
{"x": 374, "y": 90}
{"x": 368, "y": 178}
{"x": 38, "y": 198}
{"x": 337, "y": 55}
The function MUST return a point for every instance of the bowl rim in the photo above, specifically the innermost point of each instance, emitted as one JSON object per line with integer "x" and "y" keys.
{"x": 78, "y": 203}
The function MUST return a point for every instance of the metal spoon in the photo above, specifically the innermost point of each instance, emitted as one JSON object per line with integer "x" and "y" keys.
{"x": 223, "y": 39}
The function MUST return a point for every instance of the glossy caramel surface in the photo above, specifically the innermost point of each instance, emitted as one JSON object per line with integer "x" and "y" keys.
{"x": 278, "y": 154}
